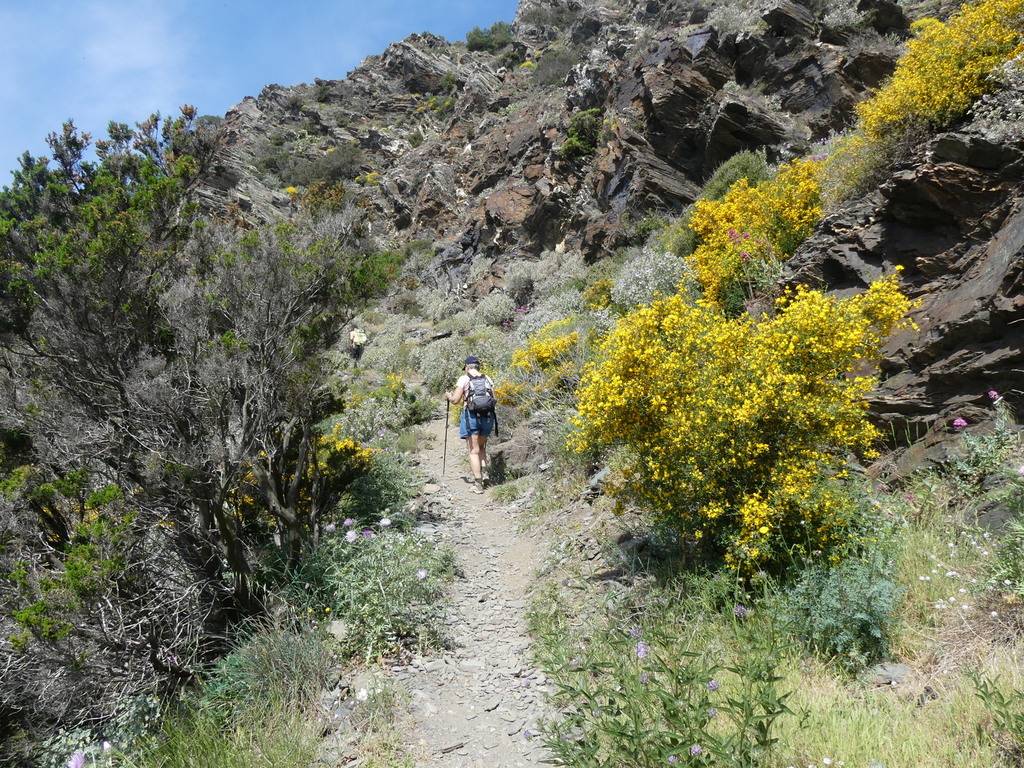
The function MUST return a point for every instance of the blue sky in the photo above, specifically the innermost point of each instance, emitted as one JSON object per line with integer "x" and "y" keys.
{"x": 97, "y": 60}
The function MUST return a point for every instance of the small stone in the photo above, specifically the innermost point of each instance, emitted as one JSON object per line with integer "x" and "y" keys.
{"x": 431, "y": 488}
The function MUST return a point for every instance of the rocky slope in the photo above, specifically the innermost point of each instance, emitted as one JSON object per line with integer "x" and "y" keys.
{"x": 461, "y": 148}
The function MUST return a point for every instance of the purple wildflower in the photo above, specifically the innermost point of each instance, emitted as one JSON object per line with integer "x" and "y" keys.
{"x": 421, "y": 574}
{"x": 351, "y": 536}
{"x": 642, "y": 649}
{"x": 77, "y": 760}
{"x": 740, "y": 611}
{"x": 696, "y": 750}
{"x": 645, "y": 678}
{"x": 745, "y": 256}
{"x": 634, "y": 632}
{"x": 712, "y": 713}
{"x": 1020, "y": 470}
{"x": 959, "y": 423}
{"x": 368, "y": 534}
{"x": 349, "y": 522}
{"x": 673, "y": 760}
{"x": 712, "y": 685}
{"x": 330, "y": 528}
{"x": 993, "y": 395}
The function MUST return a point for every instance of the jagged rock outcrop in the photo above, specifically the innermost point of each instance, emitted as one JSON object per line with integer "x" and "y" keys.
{"x": 462, "y": 148}
{"x": 953, "y": 219}
{"x": 467, "y": 142}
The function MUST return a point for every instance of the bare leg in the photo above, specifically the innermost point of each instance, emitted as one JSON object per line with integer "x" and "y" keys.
{"x": 484, "y": 463}
{"x": 474, "y": 456}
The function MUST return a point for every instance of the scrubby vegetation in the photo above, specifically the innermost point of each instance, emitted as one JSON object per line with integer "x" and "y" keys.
{"x": 206, "y": 499}
{"x": 178, "y": 453}
{"x": 492, "y": 39}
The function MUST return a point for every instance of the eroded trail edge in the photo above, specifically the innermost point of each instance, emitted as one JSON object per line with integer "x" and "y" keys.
{"x": 479, "y": 702}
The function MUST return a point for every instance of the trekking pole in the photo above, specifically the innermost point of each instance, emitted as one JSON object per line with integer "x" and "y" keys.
{"x": 444, "y": 458}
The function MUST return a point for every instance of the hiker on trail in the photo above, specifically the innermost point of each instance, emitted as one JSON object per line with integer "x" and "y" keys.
{"x": 476, "y": 392}
{"x": 357, "y": 342}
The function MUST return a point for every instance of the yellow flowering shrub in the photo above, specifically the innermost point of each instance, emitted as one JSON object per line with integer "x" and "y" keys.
{"x": 946, "y": 67}
{"x": 732, "y": 427}
{"x": 547, "y": 368}
{"x": 751, "y": 226}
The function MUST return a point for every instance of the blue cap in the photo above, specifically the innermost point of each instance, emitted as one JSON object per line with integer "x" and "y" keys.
{"x": 472, "y": 360}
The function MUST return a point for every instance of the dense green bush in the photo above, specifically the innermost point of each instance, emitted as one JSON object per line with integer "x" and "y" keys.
{"x": 751, "y": 166}
{"x": 496, "y": 37}
{"x": 846, "y": 612}
{"x": 582, "y": 135}
{"x": 340, "y": 164}
{"x": 388, "y": 485}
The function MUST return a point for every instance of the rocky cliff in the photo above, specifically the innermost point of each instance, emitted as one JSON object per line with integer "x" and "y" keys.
{"x": 463, "y": 148}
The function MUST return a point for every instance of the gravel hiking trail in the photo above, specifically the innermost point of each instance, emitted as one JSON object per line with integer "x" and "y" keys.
{"x": 478, "y": 702}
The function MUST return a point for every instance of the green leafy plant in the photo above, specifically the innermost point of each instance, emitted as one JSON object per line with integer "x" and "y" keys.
{"x": 386, "y": 588}
{"x": 492, "y": 39}
{"x": 1006, "y": 708}
{"x": 582, "y": 135}
{"x": 846, "y": 612}
{"x": 644, "y": 697}
{"x": 752, "y": 166}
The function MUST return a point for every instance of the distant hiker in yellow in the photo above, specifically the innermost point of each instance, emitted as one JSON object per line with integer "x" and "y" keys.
{"x": 357, "y": 342}
{"x": 478, "y": 420}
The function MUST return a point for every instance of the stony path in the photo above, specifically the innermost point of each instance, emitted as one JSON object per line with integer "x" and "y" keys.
{"x": 478, "y": 703}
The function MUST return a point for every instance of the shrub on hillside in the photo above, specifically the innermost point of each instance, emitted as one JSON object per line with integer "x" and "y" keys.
{"x": 582, "y": 135}
{"x": 752, "y": 166}
{"x": 554, "y": 66}
{"x": 440, "y": 361}
{"x": 271, "y": 667}
{"x": 647, "y": 274}
{"x": 379, "y": 414}
{"x": 496, "y": 37}
{"x": 555, "y": 307}
{"x": 731, "y": 442}
{"x": 846, "y": 612}
{"x": 520, "y": 282}
{"x": 947, "y": 66}
{"x": 495, "y": 309}
{"x": 386, "y": 485}
{"x": 678, "y": 238}
{"x": 340, "y": 163}
{"x": 751, "y": 227}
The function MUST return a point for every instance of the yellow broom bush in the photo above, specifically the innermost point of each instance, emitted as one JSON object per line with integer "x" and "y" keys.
{"x": 732, "y": 427}
{"x": 752, "y": 226}
{"x": 946, "y": 68}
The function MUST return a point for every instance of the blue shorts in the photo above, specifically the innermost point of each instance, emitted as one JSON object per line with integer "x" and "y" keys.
{"x": 471, "y": 424}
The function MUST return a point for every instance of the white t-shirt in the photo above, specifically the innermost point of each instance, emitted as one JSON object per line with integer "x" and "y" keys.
{"x": 462, "y": 385}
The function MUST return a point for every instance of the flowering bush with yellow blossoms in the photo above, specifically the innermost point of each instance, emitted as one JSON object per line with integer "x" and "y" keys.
{"x": 947, "y": 66}
{"x": 751, "y": 228}
{"x": 548, "y": 366}
{"x": 732, "y": 427}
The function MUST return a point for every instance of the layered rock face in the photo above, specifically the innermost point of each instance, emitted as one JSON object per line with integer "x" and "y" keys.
{"x": 465, "y": 143}
{"x": 462, "y": 148}
{"x": 953, "y": 218}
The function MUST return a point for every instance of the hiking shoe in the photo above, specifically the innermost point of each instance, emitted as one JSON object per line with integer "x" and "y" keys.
{"x": 478, "y": 486}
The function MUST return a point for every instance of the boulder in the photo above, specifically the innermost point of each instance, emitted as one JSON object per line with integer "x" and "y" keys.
{"x": 788, "y": 19}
